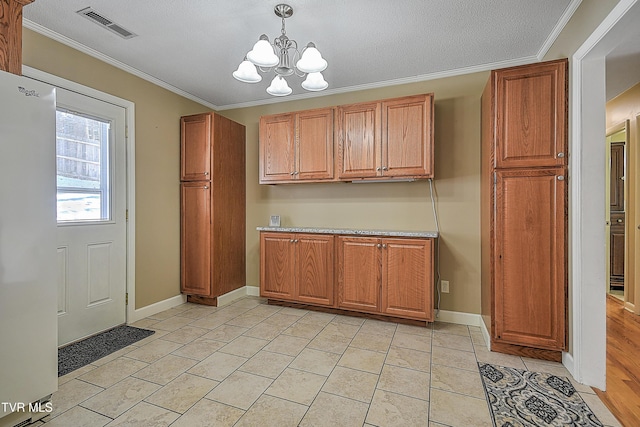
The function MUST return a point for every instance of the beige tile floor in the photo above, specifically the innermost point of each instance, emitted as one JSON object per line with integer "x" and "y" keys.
{"x": 251, "y": 364}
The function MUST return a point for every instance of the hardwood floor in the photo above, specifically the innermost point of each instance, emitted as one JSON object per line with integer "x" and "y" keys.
{"x": 623, "y": 364}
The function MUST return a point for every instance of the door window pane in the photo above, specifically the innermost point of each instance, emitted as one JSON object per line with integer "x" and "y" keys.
{"x": 82, "y": 158}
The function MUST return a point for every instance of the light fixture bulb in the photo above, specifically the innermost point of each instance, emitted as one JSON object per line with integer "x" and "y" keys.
{"x": 315, "y": 82}
{"x": 279, "y": 87}
{"x": 262, "y": 53}
{"x": 311, "y": 60}
{"x": 247, "y": 73}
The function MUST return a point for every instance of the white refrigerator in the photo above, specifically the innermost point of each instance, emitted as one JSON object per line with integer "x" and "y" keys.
{"x": 28, "y": 273}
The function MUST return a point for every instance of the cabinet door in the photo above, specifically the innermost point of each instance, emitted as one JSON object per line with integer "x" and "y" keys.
{"x": 531, "y": 121}
{"x": 314, "y": 268}
{"x": 195, "y": 238}
{"x": 359, "y": 273}
{"x": 314, "y": 144}
{"x": 530, "y": 258}
{"x": 407, "y": 136}
{"x": 617, "y": 177}
{"x": 616, "y": 265}
{"x": 195, "y": 147}
{"x": 407, "y": 278}
{"x": 359, "y": 143}
{"x": 277, "y": 258}
{"x": 277, "y": 148}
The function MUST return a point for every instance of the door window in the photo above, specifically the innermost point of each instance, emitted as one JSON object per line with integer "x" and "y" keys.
{"x": 82, "y": 158}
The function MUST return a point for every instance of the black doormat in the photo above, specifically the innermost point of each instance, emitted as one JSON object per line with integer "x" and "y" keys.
{"x": 520, "y": 398}
{"x": 78, "y": 354}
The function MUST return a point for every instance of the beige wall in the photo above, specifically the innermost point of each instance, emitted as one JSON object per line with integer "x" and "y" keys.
{"x": 157, "y": 156}
{"x": 626, "y": 106}
{"x": 397, "y": 206}
{"x": 387, "y": 206}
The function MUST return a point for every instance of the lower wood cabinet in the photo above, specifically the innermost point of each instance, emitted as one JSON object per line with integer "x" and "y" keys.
{"x": 384, "y": 276}
{"x": 390, "y": 276}
{"x": 297, "y": 267}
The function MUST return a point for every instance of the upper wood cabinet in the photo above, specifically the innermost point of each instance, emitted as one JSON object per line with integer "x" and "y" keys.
{"x": 296, "y": 146}
{"x": 530, "y": 115}
{"x": 195, "y": 149}
{"x": 386, "y": 139}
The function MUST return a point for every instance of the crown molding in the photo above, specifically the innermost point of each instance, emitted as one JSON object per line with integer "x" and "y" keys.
{"x": 564, "y": 19}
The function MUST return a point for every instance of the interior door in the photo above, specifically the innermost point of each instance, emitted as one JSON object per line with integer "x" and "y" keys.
{"x": 91, "y": 212}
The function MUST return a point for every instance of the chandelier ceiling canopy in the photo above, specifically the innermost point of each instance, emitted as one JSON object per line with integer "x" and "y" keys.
{"x": 278, "y": 57}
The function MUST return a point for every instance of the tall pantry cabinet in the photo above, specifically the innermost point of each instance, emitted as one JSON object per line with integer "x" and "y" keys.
{"x": 524, "y": 209}
{"x": 212, "y": 207}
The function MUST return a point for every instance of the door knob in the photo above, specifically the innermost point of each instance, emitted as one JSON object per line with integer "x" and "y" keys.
{"x": 619, "y": 220}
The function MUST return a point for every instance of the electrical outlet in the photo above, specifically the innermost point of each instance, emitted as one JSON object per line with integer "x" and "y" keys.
{"x": 444, "y": 286}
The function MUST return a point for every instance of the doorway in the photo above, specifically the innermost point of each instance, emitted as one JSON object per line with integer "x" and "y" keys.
{"x": 126, "y": 172}
{"x": 91, "y": 215}
{"x": 617, "y": 142}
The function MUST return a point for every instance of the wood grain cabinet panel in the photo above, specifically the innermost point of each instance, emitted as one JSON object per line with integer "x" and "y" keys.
{"x": 359, "y": 273}
{"x": 407, "y": 278}
{"x": 359, "y": 140}
{"x": 314, "y": 145}
{"x": 407, "y": 137}
{"x": 296, "y": 146}
{"x": 195, "y": 149}
{"x": 386, "y": 139}
{"x": 297, "y": 267}
{"x": 195, "y": 242}
{"x": 524, "y": 209}
{"x": 530, "y": 282}
{"x": 314, "y": 269}
{"x": 277, "y": 148}
{"x": 531, "y": 115}
{"x": 212, "y": 207}
{"x": 277, "y": 266}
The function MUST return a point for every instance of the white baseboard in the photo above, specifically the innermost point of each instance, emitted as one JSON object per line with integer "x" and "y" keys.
{"x": 485, "y": 334}
{"x": 459, "y": 318}
{"x": 159, "y": 306}
{"x": 229, "y": 297}
{"x": 253, "y": 291}
{"x": 568, "y": 362}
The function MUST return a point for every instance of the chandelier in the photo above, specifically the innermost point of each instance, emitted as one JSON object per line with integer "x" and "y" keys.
{"x": 278, "y": 57}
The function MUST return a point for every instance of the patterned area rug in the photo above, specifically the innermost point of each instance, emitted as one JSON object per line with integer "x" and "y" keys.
{"x": 90, "y": 349}
{"x": 520, "y": 398}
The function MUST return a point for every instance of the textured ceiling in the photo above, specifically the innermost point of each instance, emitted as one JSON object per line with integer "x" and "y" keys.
{"x": 193, "y": 46}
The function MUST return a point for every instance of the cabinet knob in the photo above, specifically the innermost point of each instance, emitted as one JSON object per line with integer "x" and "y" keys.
{"x": 206, "y": 187}
{"x": 291, "y": 173}
{"x": 296, "y": 173}
{"x": 384, "y": 168}
{"x": 560, "y": 155}
{"x": 560, "y": 178}
{"x": 206, "y": 173}
{"x": 291, "y": 240}
{"x": 384, "y": 246}
{"x": 295, "y": 241}
{"x": 378, "y": 245}
{"x": 378, "y": 168}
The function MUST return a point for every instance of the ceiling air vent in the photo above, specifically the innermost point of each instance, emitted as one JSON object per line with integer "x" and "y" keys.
{"x": 105, "y": 22}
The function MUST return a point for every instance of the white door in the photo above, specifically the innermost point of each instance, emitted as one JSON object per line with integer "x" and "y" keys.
{"x": 91, "y": 178}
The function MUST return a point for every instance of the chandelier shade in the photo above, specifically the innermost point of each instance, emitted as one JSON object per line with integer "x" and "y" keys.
{"x": 278, "y": 57}
{"x": 279, "y": 87}
{"x": 311, "y": 61}
{"x": 315, "y": 82}
{"x": 247, "y": 73}
{"x": 262, "y": 53}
